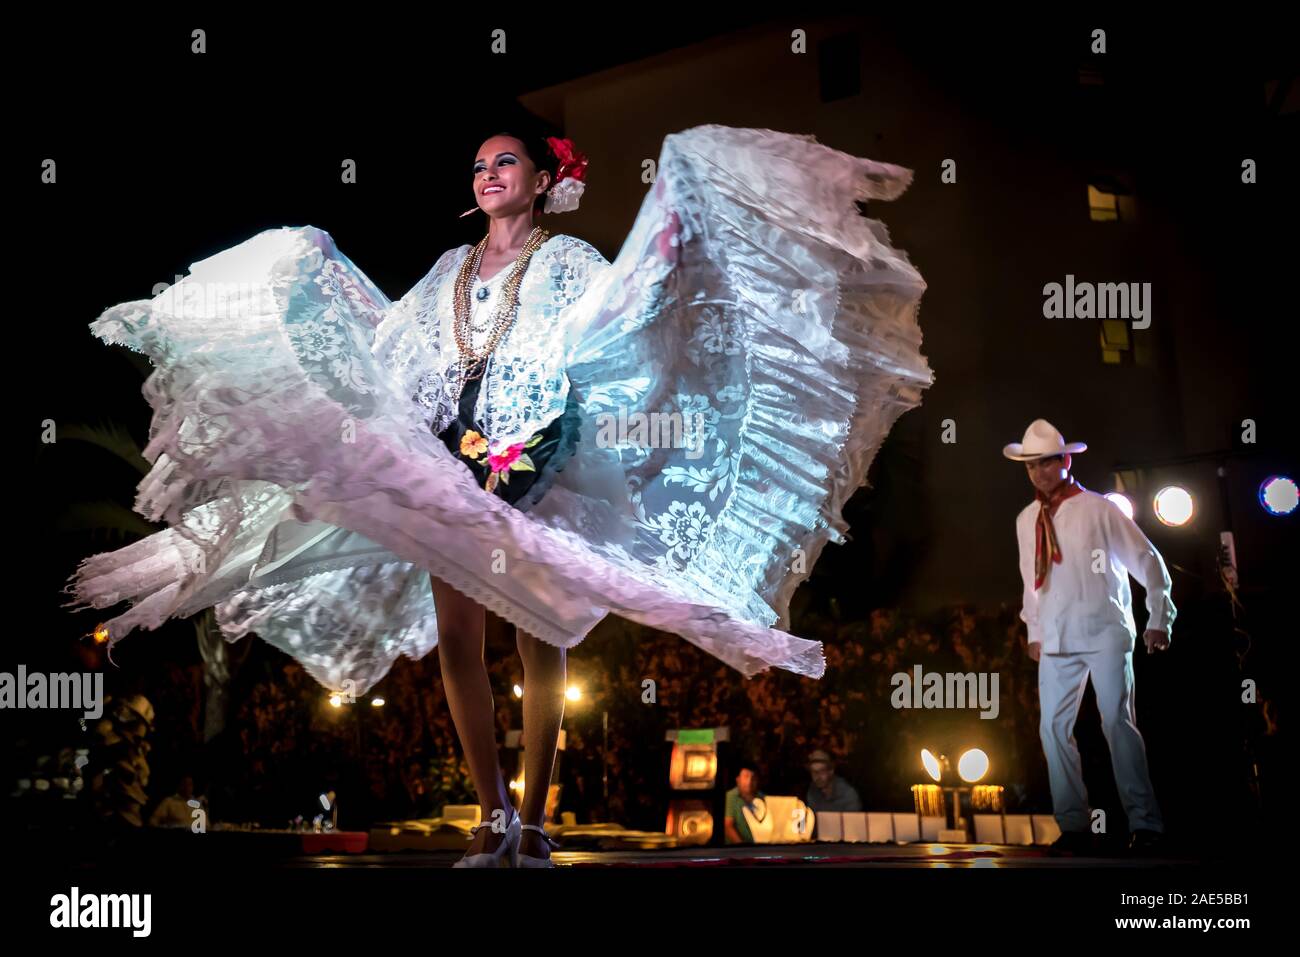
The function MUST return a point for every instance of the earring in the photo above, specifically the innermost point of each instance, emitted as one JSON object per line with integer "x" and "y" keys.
{"x": 467, "y": 212}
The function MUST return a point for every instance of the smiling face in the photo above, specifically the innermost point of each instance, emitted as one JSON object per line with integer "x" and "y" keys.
{"x": 1048, "y": 473}
{"x": 506, "y": 181}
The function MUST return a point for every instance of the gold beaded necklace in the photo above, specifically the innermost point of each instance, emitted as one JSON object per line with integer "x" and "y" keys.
{"x": 472, "y": 363}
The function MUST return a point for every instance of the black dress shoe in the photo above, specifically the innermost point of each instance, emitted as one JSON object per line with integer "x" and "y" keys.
{"x": 1144, "y": 841}
{"x": 1072, "y": 843}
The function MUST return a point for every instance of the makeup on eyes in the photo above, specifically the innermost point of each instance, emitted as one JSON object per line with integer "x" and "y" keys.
{"x": 478, "y": 165}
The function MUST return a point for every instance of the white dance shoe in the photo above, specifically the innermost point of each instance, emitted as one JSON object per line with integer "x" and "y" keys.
{"x": 506, "y": 852}
{"x": 527, "y": 860}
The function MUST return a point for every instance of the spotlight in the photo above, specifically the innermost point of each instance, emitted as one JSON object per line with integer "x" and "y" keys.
{"x": 973, "y": 765}
{"x": 573, "y": 693}
{"x": 1122, "y": 502}
{"x": 931, "y": 764}
{"x": 1174, "y": 505}
{"x": 336, "y": 700}
{"x": 1278, "y": 495}
{"x": 519, "y": 692}
{"x": 376, "y": 702}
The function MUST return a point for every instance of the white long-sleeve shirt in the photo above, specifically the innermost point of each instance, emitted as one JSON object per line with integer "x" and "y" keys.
{"x": 1086, "y": 603}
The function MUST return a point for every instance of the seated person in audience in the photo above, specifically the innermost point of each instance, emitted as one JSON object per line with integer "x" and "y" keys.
{"x": 742, "y": 795}
{"x": 828, "y": 791}
{"x": 176, "y": 811}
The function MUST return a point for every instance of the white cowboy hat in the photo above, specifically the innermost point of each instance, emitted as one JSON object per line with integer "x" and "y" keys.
{"x": 1041, "y": 440}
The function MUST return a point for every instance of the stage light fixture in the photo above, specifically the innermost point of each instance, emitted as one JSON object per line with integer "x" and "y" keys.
{"x": 1278, "y": 495}
{"x": 973, "y": 765}
{"x": 1174, "y": 505}
{"x": 931, "y": 764}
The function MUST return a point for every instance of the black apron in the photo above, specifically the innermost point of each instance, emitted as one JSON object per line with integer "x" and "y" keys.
{"x": 525, "y": 487}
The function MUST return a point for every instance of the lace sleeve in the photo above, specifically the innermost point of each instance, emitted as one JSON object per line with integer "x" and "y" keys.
{"x": 527, "y": 386}
{"x": 408, "y": 341}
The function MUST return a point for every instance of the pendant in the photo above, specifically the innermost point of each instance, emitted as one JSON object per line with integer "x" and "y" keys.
{"x": 483, "y": 293}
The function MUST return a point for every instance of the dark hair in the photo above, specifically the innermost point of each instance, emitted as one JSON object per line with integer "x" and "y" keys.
{"x": 539, "y": 152}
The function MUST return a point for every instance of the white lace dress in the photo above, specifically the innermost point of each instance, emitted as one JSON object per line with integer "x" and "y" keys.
{"x": 296, "y": 410}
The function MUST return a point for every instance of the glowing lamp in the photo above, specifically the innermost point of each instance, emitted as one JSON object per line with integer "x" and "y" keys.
{"x": 973, "y": 765}
{"x": 1174, "y": 505}
{"x": 1277, "y": 494}
{"x": 931, "y": 764}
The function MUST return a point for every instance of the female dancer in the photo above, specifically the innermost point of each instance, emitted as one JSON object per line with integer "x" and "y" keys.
{"x": 510, "y": 186}
{"x": 320, "y": 453}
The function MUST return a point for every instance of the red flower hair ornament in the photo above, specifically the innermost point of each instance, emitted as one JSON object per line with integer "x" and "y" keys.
{"x": 564, "y": 193}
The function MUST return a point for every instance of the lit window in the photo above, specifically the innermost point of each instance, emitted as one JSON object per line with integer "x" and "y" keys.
{"x": 1111, "y": 198}
{"x": 1115, "y": 343}
{"x": 1102, "y": 207}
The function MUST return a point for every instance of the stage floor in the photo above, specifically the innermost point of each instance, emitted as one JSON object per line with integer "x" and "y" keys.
{"x": 789, "y": 855}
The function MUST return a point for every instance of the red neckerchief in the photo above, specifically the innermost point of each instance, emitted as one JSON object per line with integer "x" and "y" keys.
{"x": 1045, "y": 542}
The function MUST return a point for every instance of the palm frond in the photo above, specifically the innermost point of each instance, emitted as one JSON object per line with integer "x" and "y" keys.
{"x": 108, "y": 519}
{"x": 109, "y": 436}
{"x": 139, "y": 362}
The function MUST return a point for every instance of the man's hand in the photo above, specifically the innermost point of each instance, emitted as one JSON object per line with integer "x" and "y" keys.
{"x": 1036, "y": 649}
{"x": 1156, "y": 640}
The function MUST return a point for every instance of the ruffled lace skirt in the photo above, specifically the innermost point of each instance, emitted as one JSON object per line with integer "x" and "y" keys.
{"x": 308, "y": 502}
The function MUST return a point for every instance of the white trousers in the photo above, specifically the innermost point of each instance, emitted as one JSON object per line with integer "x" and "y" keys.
{"x": 1061, "y": 681}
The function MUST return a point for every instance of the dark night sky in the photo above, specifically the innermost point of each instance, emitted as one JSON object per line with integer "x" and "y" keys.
{"x": 165, "y": 158}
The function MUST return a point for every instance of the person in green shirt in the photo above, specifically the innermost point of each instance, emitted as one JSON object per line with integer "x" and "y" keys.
{"x": 743, "y": 794}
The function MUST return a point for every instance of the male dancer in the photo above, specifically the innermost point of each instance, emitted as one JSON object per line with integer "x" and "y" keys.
{"x": 1076, "y": 552}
